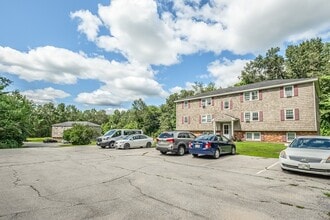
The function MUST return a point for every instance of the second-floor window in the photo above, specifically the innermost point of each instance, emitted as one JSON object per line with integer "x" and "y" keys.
{"x": 206, "y": 102}
{"x": 185, "y": 119}
{"x": 226, "y": 105}
{"x": 186, "y": 104}
{"x": 288, "y": 91}
{"x": 206, "y": 118}
{"x": 253, "y": 95}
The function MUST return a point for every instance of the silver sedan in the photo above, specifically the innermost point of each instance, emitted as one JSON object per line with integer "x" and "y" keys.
{"x": 309, "y": 154}
{"x": 134, "y": 141}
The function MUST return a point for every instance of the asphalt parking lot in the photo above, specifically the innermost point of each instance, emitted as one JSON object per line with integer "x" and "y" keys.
{"x": 92, "y": 183}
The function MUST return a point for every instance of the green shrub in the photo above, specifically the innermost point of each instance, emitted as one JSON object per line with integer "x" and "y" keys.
{"x": 10, "y": 144}
{"x": 79, "y": 134}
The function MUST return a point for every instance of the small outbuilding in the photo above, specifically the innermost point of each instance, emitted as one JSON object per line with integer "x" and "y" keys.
{"x": 58, "y": 129}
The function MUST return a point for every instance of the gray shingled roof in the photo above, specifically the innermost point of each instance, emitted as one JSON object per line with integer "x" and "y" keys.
{"x": 249, "y": 87}
{"x": 71, "y": 123}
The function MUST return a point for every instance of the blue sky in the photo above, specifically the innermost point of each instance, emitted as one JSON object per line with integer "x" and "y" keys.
{"x": 105, "y": 54}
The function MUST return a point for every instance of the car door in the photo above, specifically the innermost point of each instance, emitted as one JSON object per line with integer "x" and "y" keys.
{"x": 224, "y": 143}
{"x": 134, "y": 141}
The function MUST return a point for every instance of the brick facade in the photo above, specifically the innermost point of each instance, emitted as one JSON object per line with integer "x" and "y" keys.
{"x": 271, "y": 112}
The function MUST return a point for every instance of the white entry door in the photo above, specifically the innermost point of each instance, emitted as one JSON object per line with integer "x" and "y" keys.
{"x": 226, "y": 129}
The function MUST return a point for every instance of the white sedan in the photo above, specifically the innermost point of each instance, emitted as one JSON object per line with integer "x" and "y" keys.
{"x": 309, "y": 154}
{"x": 134, "y": 141}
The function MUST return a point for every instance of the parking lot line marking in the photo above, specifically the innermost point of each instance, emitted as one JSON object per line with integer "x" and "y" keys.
{"x": 267, "y": 168}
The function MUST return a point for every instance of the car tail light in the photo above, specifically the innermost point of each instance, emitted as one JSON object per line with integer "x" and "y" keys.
{"x": 190, "y": 144}
{"x": 208, "y": 145}
{"x": 328, "y": 160}
{"x": 171, "y": 140}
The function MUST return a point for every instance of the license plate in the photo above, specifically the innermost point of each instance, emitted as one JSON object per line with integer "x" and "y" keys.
{"x": 304, "y": 166}
{"x": 197, "y": 146}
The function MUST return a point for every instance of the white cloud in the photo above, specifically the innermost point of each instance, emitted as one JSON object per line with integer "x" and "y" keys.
{"x": 62, "y": 66}
{"x": 177, "y": 89}
{"x": 42, "y": 96}
{"x": 226, "y": 72}
{"x": 89, "y": 24}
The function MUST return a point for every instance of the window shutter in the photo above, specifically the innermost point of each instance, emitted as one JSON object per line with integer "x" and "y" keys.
{"x": 241, "y": 97}
{"x": 200, "y": 119}
{"x": 260, "y": 94}
{"x": 242, "y": 116}
{"x": 188, "y": 119}
{"x": 295, "y": 90}
{"x": 231, "y": 104}
{"x": 282, "y": 115}
{"x": 182, "y": 104}
{"x": 281, "y": 93}
{"x": 261, "y": 116}
{"x": 200, "y": 103}
{"x": 221, "y": 105}
{"x": 212, "y": 101}
{"x": 296, "y": 114}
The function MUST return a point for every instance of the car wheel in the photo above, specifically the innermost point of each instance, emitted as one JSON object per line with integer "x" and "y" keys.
{"x": 216, "y": 154}
{"x": 148, "y": 145}
{"x": 195, "y": 155}
{"x": 233, "y": 150}
{"x": 163, "y": 152}
{"x": 112, "y": 144}
{"x": 181, "y": 150}
{"x": 126, "y": 146}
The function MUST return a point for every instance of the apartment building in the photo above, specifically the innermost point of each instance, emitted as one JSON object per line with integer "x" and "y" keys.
{"x": 272, "y": 111}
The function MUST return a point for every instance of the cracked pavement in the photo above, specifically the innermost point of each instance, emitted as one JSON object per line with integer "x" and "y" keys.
{"x": 88, "y": 182}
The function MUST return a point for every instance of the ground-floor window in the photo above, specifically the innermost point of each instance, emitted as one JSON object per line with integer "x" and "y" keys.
{"x": 290, "y": 136}
{"x": 253, "y": 136}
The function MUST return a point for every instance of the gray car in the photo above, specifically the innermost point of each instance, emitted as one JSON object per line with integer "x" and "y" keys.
{"x": 174, "y": 142}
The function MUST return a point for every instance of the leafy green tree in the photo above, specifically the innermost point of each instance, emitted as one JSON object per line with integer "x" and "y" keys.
{"x": 15, "y": 121}
{"x": 80, "y": 134}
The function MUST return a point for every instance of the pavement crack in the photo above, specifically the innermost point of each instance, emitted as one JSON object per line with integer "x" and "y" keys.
{"x": 164, "y": 202}
{"x": 36, "y": 190}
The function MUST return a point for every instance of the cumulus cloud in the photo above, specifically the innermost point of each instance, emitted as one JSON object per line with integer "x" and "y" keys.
{"x": 177, "y": 89}
{"x": 62, "y": 66}
{"x": 89, "y": 24}
{"x": 226, "y": 72}
{"x": 158, "y": 34}
{"x": 42, "y": 96}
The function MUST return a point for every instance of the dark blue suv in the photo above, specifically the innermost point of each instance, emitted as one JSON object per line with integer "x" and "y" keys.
{"x": 213, "y": 145}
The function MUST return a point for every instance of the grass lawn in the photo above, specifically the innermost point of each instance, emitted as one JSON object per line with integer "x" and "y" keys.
{"x": 37, "y": 139}
{"x": 259, "y": 149}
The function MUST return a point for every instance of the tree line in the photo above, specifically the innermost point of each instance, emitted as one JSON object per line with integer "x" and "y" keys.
{"x": 20, "y": 118}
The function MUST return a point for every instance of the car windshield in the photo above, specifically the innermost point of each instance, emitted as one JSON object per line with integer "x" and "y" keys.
{"x": 205, "y": 138}
{"x": 166, "y": 135}
{"x": 109, "y": 133}
{"x": 315, "y": 143}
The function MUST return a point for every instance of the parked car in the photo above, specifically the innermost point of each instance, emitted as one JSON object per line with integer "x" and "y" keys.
{"x": 174, "y": 142}
{"x": 111, "y": 136}
{"x": 134, "y": 141}
{"x": 49, "y": 140}
{"x": 212, "y": 144}
{"x": 308, "y": 154}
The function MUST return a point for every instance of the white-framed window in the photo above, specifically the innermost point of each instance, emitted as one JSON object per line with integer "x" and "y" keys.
{"x": 289, "y": 114}
{"x": 288, "y": 91}
{"x": 290, "y": 136}
{"x": 253, "y": 136}
{"x": 226, "y": 105}
{"x": 186, "y": 104}
{"x": 206, "y": 118}
{"x": 247, "y": 116}
{"x": 206, "y": 101}
{"x": 251, "y": 116}
{"x": 250, "y": 96}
